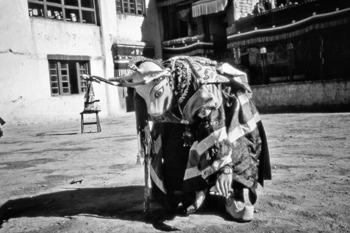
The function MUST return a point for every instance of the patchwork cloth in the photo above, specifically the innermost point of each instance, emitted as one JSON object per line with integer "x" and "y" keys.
{"x": 234, "y": 118}
{"x": 240, "y": 125}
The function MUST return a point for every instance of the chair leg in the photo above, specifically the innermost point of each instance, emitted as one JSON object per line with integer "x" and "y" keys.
{"x": 98, "y": 123}
{"x": 82, "y": 122}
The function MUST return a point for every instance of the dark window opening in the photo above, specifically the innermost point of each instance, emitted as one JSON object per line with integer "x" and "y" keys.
{"x": 66, "y": 77}
{"x": 135, "y": 7}
{"x": 87, "y": 3}
{"x": 71, "y": 2}
{"x": 80, "y": 11}
{"x": 54, "y": 1}
{"x": 178, "y": 23}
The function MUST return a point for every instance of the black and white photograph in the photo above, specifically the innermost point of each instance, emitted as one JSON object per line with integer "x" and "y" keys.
{"x": 195, "y": 116}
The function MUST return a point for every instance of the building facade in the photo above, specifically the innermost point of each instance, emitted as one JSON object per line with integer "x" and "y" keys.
{"x": 300, "y": 41}
{"x": 45, "y": 46}
{"x": 284, "y": 40}
{"x": 296, "y": 52}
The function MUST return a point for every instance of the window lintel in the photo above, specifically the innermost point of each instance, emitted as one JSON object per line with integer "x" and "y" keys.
{"x": 67, "y": 57}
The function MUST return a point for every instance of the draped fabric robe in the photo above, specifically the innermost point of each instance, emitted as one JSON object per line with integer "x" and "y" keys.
{"x": 175, "y": 167}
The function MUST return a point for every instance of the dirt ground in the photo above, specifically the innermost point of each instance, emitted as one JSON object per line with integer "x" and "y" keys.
{"x": 54, "y": 179}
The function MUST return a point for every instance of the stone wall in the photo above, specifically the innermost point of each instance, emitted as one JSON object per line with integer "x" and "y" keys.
{"x": 311, "y": 95}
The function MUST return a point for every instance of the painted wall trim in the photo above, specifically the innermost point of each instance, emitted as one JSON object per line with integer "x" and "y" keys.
{"x": 67, "y": 57}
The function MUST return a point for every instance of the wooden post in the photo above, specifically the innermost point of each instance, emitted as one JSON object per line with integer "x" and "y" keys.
{"x": 145, "y": 143}
{"x": 263, "y": 65}
{"x": 148, "y": 188}
{"x": 291, "y": 61}
{"x": 147, "y": 166}
{"x": 321, "y": 58}
{"x": 239, "y": 55}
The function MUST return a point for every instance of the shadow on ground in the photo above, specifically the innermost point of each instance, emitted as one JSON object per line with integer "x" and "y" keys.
{"x": 123, "y": 203}
{"x": 120, "y": 202}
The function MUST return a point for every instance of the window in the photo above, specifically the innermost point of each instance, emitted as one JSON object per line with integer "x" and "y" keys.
{"x": 178, "y": 22}
{"x": 135, "y": 7}
{"x": 80, "y": 11}
{"x": 65, "y": 76}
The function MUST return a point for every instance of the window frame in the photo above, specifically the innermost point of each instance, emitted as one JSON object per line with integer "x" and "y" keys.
{"x": 135, "y": 8}
{"x": 78, "y": 62}
{"x": 46, "y": 11}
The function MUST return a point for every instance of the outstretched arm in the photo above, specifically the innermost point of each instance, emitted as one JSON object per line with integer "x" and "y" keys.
{"x": 113, "y": 79}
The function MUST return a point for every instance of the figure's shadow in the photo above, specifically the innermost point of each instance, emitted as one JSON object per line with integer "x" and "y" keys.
{"x": 120, "y": 202}
{"x": 124, "y": 203}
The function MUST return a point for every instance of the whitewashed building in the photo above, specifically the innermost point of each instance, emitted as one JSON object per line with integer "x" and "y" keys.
{"x": 46, "y": 44}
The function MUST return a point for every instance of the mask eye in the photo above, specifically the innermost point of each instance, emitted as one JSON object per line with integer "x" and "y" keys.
{"x": 159, "y": 93}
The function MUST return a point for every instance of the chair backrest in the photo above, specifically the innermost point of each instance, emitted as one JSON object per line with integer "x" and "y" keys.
{"x": 90, "y": 103}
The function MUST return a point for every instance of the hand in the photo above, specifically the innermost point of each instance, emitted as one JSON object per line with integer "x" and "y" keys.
{"x": 224, "y": 185}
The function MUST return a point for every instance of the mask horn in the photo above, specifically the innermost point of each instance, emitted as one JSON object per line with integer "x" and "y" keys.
{"x": 138, "y": 77}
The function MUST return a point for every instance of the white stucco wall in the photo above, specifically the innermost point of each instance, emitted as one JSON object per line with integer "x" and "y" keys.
{"x": 312, "y": 94}
{"x": 140, "y": 30}
{"x": 126, "y": 25}
{"x": 109, "y": 34}
{"x": 25, "y": 42}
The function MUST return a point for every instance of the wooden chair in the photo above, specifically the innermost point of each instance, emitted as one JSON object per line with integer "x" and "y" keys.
{"x": 97, "y": 122}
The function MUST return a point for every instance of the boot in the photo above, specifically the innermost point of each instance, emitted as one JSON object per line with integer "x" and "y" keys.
{"x": 238, "y": 209}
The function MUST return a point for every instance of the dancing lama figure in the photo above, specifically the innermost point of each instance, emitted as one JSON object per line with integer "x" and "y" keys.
{"x": 206, "y": 134}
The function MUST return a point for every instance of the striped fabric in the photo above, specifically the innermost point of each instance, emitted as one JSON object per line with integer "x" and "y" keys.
{"x": 206, "y": 7}
{"x": 294, "y": 29}
{"x": 236, "y": 120}
{"x": 240, "y": 128}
